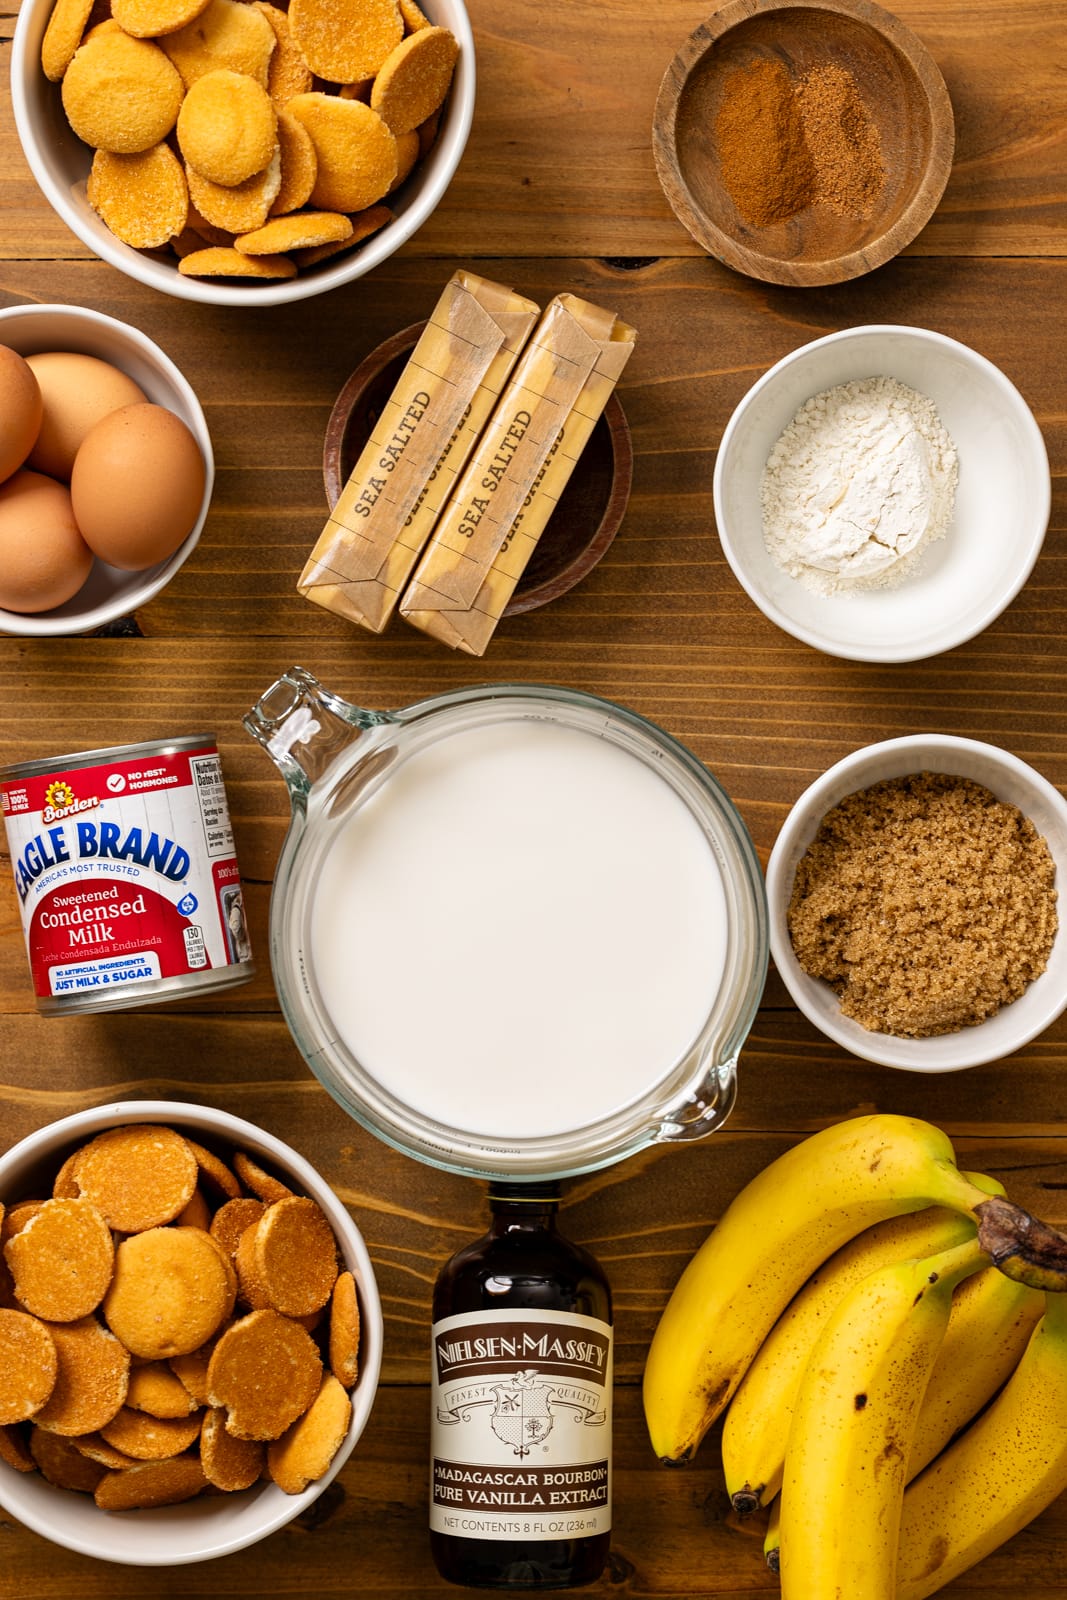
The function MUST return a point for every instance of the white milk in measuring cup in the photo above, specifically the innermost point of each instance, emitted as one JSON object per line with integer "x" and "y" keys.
{"x": 516, "y": 931}
{"x": 521, "y": 904}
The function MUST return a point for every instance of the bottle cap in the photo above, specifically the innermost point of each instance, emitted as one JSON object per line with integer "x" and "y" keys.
{"x": 528, "y": 1193}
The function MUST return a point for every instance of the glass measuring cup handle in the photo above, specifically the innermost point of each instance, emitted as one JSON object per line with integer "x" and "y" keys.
{"x": 304, "y": 727}
{"x": 705, "y": 1109}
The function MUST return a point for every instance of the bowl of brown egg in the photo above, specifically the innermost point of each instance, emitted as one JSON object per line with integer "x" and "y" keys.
{"x": 243, "y": 154}
{"x": 106, "y": 470}
{"x": 190, "y": 1333}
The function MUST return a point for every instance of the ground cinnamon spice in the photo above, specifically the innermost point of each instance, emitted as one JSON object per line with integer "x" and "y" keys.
{"x": 785, "y": 145}
{"x": 766, "y": 166}
{"x": 926, "y": 903}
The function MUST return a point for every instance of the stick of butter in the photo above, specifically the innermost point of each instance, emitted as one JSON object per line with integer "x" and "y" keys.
{"x": 426, "y": 432}
{"x": 499, "y": 508}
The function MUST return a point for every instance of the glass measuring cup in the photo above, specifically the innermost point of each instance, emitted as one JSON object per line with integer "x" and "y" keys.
{"x": 344, "y": 766}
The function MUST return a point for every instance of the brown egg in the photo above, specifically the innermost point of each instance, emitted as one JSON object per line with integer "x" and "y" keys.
{"x": 20, "y": 410}
{"x": 43, "y": 558}
{"x": 77, "y": 390}
{"x": 137, "y": 486}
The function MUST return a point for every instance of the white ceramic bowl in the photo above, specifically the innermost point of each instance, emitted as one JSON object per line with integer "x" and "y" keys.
{"x": 108, "y": 593}
{"x": 210, "y": 1525}
{"x": 60, "y": 163}
{"x": 1002, "y": 505}
{"x": 1011, "y": 780}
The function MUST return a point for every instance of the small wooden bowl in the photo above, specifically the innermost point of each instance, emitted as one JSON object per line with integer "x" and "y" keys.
{"x": 587, "y": 515}
{"x": 901, "y": 88}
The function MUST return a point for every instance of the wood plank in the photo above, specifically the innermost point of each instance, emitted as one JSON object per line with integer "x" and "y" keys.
{"x": 702, "y": 343}
{"x": 557, "y": 190}
{"x": 726, "y": 704}
{"x": 673, "y": 1538}
{"x": 560, "y": 161}
{"x": 643, "y": 1218}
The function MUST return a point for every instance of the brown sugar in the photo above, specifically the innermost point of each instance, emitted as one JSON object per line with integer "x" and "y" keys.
{"x": 926, "y": 903}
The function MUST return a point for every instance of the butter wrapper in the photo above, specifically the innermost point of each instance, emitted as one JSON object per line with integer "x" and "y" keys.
{"x": 498, "y": 510}
{"x": 424, "y": 436}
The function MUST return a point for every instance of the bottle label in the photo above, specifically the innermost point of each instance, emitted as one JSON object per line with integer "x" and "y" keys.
{"x": 521, "y": 1425}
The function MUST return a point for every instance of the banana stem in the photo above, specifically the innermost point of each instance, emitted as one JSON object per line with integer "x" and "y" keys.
{"x": 1022, "y": 1246}
{"x": 957, "y": 1190}
{"x": 960, "y": 1261}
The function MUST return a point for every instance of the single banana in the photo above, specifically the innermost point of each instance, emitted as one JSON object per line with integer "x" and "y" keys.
{"x": 757, "y": 1423}
{"x": 772, "y": 1539}
{"x": 998, "y": 1476}
{"x": 853, "y": 1423}
{"x": 770, "y": 1239}
{"x": 990, "y": 1326}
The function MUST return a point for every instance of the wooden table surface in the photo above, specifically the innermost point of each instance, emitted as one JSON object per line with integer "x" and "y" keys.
{"x": 557, "y": 191}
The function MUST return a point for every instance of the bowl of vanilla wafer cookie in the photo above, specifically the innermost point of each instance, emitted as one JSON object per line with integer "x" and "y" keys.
{"x": 241, "y": 153}
{"x": 190, "y": 1333}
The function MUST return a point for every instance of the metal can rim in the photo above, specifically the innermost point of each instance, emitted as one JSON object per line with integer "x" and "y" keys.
{"x": 107, "y": 755}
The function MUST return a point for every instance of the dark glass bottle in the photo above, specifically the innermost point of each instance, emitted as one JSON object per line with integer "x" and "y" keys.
{"x": 520, "y": 1490}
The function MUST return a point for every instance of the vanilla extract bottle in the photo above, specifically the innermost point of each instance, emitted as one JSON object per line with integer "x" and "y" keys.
{"x": 521, "y": 1386}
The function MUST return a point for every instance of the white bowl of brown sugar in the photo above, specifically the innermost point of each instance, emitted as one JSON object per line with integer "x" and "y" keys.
{"x": 913, "y": 903}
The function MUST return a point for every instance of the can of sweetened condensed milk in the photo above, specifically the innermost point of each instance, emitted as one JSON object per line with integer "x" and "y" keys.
{"x": 126, "y": 876}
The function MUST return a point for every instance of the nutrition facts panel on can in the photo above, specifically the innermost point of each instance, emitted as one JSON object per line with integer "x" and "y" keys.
{"x": 211, "y": 796}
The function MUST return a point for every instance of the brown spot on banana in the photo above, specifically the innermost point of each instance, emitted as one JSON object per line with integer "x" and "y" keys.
{"x": 936, "y": 1557}
{"x": 890, "y": 1454}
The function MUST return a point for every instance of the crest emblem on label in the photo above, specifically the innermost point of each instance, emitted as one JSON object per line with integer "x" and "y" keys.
{"x": 522, "y": 1416}
{"x": 59, "y": 795}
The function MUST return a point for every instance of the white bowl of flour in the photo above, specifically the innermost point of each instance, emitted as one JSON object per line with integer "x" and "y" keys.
{"x": 882, "y": 493}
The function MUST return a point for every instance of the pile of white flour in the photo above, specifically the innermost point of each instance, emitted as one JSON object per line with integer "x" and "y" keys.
{"x": 860, "y": 482}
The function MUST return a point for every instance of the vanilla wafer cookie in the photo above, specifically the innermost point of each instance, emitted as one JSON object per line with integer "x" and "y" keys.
{"x": 91, "y": 1380}
{"x": 263, "y": 1184}
{"x": 28, "y": 1366}
{"x": 147, "y": 1438}
{"x": 344, "y": 1330}
{"x": 295, "y": 1255}
{"x": 139, "y": 1176}
{"x": 151, "y": 1483}
{"x": 156, "y": 1388}
{"x": 265, "y": 1372}
{"x": 62, "y": 1463}
{"x": 229, "y": 1463}
{"x": 172, "y": 1289}
{"x": 62, "y": 1260}
{"x": 304, "y": 1452}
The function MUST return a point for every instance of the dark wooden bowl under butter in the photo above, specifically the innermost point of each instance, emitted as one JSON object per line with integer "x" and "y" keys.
{"x": 590, "y": 509}
{"x": 905, "y": 98}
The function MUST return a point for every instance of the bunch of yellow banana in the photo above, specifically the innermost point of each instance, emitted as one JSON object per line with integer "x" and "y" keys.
{"x": 824, "y": 1312}
{"x": 992, "y": 1318}
{"x": 768, "y": 1242}
{"x": 998, "y": 1475}
{"x": 853, "y": 1423}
